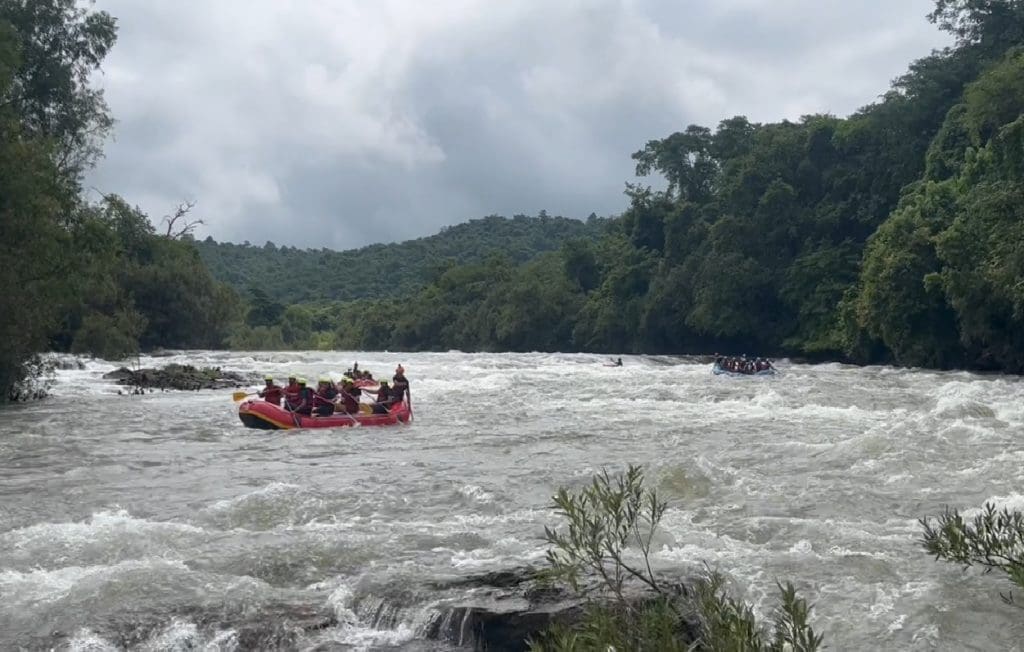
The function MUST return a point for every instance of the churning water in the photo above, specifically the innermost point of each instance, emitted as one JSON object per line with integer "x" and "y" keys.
{"x": 159, "y": 522}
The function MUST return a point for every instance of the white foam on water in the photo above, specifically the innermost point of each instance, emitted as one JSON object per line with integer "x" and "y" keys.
{"x": 351, "y": 631}
{"x": 1013, "y": 502}
{"x": 476, "y": 493}
{"x": 104, "y": 540}
{"x": 802, "y": 547}
{"x": 100, "y": 532}
{"x": 271, "y": 491}
{"x": 39, "y": 586}
{"x": 177, "y": 635}
{"x": 86, "y": 640}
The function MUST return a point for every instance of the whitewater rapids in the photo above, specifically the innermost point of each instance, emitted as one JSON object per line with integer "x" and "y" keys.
{"x": 155, "y": 522}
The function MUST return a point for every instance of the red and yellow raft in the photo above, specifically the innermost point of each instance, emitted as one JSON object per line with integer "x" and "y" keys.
{"x": 267, "y": 416}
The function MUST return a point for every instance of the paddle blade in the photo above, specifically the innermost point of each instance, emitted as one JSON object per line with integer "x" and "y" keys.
{"x": 238, "y": 396}
{"x": 365, "y": 408}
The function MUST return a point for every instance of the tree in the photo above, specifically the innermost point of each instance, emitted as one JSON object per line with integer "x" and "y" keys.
{"x": 178, "y": 224}
{"x": 684, "y": 159}
{"x": 60, "y": 43}
{"x": 991, "y": 25}
{"x": 262, "y": 310}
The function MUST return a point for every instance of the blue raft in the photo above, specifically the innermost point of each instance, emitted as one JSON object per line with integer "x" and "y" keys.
{"x": 718, "y": 371}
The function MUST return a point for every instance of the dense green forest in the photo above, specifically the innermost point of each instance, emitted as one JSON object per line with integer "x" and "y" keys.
{"x": 893, "y": 235}
{"x": 399, "y": 269}
{"x": 91, "y": 277}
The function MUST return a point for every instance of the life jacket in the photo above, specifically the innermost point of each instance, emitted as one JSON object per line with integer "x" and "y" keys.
{"x": 398, "y": 393}
{"x": 351, "y": 403}
{"x": 272, "y": 394}
{"x": 324, "y": 396}
{"x": 291, "y": 394}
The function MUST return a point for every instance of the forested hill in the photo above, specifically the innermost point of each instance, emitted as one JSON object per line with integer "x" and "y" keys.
{"x": 387, "y": 270}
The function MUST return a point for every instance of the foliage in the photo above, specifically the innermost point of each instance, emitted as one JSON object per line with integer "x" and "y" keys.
{"x": 729, "y": 624}
{"x": 993, "y": 539}
{"x": 60, "y": 43}
{"x": 613, "y": 519}
{"x": 35, "y": 382}
{"x": 602, "y": 521}
{"x": 36, "y": 199}
{"x": 91, "y": 278}
{"x": 285, "y": 274}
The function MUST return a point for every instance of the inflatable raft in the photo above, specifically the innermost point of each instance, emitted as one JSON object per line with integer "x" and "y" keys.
{"x": 718, "y": 371}
{"x": 267, "y": 416}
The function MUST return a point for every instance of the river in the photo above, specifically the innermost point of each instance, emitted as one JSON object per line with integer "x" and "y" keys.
{"x": 156, "y": 522}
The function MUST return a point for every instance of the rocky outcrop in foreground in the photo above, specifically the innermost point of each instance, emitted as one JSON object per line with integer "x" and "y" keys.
{"x": 178, "y": 376}
{"x": 502, "y": 610}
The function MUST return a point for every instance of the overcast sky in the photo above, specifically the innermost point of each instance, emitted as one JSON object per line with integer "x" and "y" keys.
{"x": 346, "y": 122}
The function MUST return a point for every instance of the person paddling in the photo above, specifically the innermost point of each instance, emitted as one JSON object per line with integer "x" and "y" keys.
{"x": 380, "y": 406}
{"x": 271, "y": 393}
{"x": 304, "y": 405}
{"x": 323, "y": 398}
{"x": 291, "y": 393}
{"x": 349, "y": 396}
{"x": 399, "y": 384}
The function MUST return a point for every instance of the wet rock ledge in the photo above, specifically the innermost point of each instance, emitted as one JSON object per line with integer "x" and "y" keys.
{"x": 182, "y": 377}
{"x": 501, "y": 610}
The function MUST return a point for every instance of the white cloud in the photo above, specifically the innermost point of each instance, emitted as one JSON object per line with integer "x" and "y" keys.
{"x": 339, "y": 123}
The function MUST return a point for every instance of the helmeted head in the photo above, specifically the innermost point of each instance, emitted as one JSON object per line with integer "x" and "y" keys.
{"x": 325, "y": 380}
{"x": 383, "y": 383}
{"x": 301, "y": 381}
{"x": 291, "y": 379}
{"x": 269, "y": 379}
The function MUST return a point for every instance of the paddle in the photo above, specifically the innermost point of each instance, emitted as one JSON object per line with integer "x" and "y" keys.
{"x": 238, "y": 396}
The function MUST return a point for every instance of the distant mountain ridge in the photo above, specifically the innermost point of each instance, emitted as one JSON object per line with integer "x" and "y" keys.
{"x": 292, "y": 275}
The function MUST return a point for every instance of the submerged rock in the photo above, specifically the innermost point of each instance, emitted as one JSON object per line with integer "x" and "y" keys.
{"x": 504, "y": 609}
{"x": 178, "y": 376}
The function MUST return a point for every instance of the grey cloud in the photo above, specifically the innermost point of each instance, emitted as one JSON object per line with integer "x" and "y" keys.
{"x": 344, "y": 123}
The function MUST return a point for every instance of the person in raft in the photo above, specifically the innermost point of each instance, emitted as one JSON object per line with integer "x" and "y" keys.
{"x": 380, "y": 406}
{"x": 349, "y": 396}
{"x": 399, "y": 385}
{"x": 305, "y": 402}
{"x": 323, "y": 398}
{"x": 291, "y": 393}
{"x": 271, "y": 393}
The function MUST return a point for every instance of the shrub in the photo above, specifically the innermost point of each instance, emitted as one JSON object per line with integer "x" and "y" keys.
{"x": 607, "y": 518}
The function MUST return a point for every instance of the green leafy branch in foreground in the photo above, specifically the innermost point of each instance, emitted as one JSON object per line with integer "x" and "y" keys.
{"x": 607, "y": 518}
{"x": 994, "y": 539}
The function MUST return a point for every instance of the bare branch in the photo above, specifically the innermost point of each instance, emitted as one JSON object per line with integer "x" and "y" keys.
{"x": 177, "y": 225}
